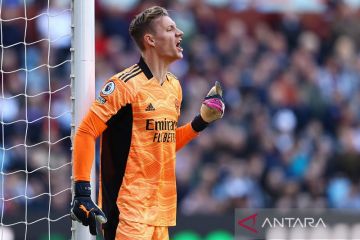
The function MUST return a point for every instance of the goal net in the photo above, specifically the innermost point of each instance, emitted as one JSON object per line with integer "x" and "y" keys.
{"x": 35, "y": 117}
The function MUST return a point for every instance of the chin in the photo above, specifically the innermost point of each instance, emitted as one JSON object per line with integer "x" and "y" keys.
{"x": 175, "y": 58}
{"x": 180, "y": 56}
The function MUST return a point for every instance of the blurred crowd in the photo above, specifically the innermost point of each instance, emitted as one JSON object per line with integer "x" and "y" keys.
{"x": 290, "y": 136}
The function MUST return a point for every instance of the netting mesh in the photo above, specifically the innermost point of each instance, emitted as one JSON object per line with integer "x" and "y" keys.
{"x": 35, "y": 156}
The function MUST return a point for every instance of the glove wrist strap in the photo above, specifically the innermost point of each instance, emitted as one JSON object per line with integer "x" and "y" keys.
{"x": 82, "y": 189}
{"x": 198, "y": 124}
{"x": 214, "y": 96}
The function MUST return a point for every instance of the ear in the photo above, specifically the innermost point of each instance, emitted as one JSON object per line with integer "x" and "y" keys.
{"x": 149, "y": 39}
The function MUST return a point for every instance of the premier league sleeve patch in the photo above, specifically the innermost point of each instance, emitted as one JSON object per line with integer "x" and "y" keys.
{"x": 101, "y": 100}
{"x": 108, "y": 88}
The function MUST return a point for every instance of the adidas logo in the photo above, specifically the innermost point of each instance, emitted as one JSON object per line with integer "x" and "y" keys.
{"x": 150, "y": 107}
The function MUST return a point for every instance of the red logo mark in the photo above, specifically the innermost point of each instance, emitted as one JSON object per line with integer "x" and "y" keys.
{"x": 250, "y": 228}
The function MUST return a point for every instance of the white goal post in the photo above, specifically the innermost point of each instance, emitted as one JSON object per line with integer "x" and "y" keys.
{"x": 47, "y": 83}
{"x": 83, "y": 79}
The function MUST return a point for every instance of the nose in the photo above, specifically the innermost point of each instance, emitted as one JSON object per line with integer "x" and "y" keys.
{"x": 179, "y": 33}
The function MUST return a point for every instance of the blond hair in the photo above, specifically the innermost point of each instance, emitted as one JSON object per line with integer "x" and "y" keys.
{"x": 141, "y": 24}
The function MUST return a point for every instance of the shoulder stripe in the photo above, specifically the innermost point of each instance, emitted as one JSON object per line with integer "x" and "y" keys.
{"x": 135, "y": 68}
{"x": 128, "y": 77}
{"x": 123, "y": 75}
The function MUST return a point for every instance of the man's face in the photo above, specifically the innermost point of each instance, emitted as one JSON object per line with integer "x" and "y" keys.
{"x": 167, "y": 39}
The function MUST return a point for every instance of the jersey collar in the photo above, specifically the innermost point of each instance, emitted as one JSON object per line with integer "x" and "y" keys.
{"x": 144, "y": 67}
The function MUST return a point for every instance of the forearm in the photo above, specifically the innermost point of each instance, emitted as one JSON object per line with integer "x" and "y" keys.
{"x": 83, "y": 155}
{"x": 184, "y": 135}
{"x": 211, "y": 109}
{"x": 84, "y": 145}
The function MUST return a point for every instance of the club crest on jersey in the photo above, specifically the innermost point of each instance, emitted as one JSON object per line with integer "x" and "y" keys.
{"x": 108, "y": 88}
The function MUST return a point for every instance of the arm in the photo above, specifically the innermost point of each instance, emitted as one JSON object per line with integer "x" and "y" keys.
{"x": 184, "y": 135}
{"x": 114, "y": 95}
{"x": 83, "y": 208}
{"x": 211, "y": 109}
{"x": 84, "y": 145}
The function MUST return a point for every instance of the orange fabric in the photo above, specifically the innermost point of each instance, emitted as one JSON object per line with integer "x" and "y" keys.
{"x": 119, "y": 94}
{"x": 127, "y": 230}
{"x": 184, "y": 135}
{"x": 148, "y": 190}
{"x": 84, "y": 145}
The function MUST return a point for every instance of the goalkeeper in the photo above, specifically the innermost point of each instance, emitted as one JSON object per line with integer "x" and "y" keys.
{"x": 136, "y": 115}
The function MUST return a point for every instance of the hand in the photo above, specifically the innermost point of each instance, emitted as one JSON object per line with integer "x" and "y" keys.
{"x": 213, "y": 106}
{"x": 84, "y": 210}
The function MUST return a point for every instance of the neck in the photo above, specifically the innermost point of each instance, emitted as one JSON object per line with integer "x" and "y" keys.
{"x": 157, "y": 66}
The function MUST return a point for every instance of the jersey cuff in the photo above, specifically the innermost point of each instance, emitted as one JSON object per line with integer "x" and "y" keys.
{"x": 198, "y": 124}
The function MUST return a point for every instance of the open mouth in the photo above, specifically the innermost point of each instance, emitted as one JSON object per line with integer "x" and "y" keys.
{"x": 178, "y": 45}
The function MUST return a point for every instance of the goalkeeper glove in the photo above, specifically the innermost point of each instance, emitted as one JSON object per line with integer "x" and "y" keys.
{"x": 213, "y": 105}
{"x": 83, "y": 209}
{"x": 212, "y": 108}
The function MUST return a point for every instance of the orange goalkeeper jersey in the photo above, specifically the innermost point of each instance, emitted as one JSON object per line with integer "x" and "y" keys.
{"x": 138, "y": 146}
